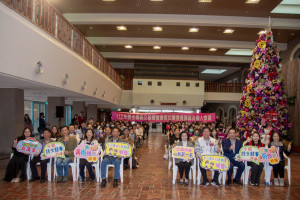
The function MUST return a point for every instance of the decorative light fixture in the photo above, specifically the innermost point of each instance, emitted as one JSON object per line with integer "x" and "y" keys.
{"x": 156, "y": 0}
{"x": 213, "y": 49}
{"x": 185, "y": 48}
{"x": 39, "y": 68}
{"x": 156, "y": 47}
{"x": 83, "y": 86}
{"x": 157, "y": 28}
{"x": 66, "y": 79}
{"x": 193, "y": 30}
{"x": 128, "y": 46}
{"x": 121, "y": 28}
{"x": 204, "y": 1}
{"x": 228, "y": 30}
{"x": 108, "y": 0}
{"x": 96, "y": 90}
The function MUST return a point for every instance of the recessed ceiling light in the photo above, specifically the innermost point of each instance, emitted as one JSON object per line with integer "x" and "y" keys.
{"x": 261, "y": 32}
{"x": 252, "y": 1}
{"x": 205, "y": 1}
{"x": 194, "y": 30}
{"x": 128, "y": 46}
{"x": 213, "y": 49}
{"x": 156, "y": 0}
{"x": 214, "y": 71}
{"x": 156, "y": 47}
{"x": 185, "y": 48}
{"x": 91, "y": 27}
{"x": 239, "y": 52}
{"x": 157, "y": 28}
{"x": 121, "y": 28}
{"x": 108, "y": 0}
{"x": 228, "y": 30}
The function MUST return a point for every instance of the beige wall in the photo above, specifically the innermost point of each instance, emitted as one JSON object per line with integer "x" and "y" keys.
{"x": 168, "y": 92}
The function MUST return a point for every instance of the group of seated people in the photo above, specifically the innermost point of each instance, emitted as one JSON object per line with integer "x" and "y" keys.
{"x": 206, "y": 140}
{"x": 71, "y": 138}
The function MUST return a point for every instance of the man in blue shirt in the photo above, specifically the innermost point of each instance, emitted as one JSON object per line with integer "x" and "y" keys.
{"x": 231, "y": 147}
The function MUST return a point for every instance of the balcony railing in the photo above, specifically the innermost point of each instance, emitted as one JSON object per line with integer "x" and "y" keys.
{"x": 44, "y": 15}
{"x": 224, "y": 87}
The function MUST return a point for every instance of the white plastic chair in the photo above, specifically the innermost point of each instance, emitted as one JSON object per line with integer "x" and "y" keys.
{"x": 191, "y": 175}
{"x": 73, "y": 168}
{"x": 170, "y": 159}
{"x": 111, "y": 165}
{"x": 222, "y": 175}
{"x": 268, "y": 170}
{"x": 49, "y": 169}
{"x": 28, "y": 171}
{"x": 95, "y": 165}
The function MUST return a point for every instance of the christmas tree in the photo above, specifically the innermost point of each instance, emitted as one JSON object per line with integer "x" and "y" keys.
{"x": 264, "y": 102}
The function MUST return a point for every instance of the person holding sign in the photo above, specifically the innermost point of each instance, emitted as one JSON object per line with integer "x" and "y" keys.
{"x": 70, "y": 143}
{"x": 16, "y": 168}
{"x": 207, "y": 145}
{"x": 183, "y": 164}
{"x": 37, "y": 158}
{"x": 231, "y": 148}
{"x": 115, "y": 160}
{"x": 278, "y": 169}
{"x": 89, "y": 137}
{"x": 256, "y": 169}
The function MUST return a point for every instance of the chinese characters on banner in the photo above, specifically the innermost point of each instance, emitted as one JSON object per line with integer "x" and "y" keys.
{"x": 53, "y": 150}
{"x": 213, "y": 162}
{"x": 249, "y": 153}
{"x": 164, "y": 117}
{"x": 186, "y": 153}
{"x": 115, "y": 149}
{"x": 30, "y": 146}
{"x": 270, "y": 155}
{"x": 88, "y": 152}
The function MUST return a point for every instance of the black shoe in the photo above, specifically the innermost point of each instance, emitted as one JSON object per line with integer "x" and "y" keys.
{"x": 42, "y": 181}
{"x": 103, "y": 184}
{"x": 238, "y": 182}
{"x": 216, "y": 183}
{"x": 115, "y": 183}
{"x": 204, "y": 183}
{"x": 253, "y": 184}
{"x": 228, "y": 182}
{"x": 34, "y": 179}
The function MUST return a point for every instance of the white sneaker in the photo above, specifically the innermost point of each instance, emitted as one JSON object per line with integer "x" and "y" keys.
{"x": 17, "y": 180}
{"x": 281, "y": 182}
{"x": 276, "y": 182}
{"x": 13, "y": 180}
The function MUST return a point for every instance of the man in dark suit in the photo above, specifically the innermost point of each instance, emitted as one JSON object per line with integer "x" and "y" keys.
{"x": 231, "y": 147}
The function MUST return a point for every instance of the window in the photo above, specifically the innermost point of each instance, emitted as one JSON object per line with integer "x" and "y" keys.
{"x": 159, "y": 83}
{"x": 178, "y": 84}
{"x": 149, "y": 83}
{"x": 187, "y": 84}
{"x": 197, "y": 84}
{"x": 140, "y": 82}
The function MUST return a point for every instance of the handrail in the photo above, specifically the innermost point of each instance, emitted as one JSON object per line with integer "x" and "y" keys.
{"x": 47, "y": 17}
{"x": 224, "y": 87}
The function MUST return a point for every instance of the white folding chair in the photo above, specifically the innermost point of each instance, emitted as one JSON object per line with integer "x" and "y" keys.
{"x": 170, "y": 159}
{"x": 192, "y": 173}
{"x": 198, "y": 172}
{"x": 73, "y": 168}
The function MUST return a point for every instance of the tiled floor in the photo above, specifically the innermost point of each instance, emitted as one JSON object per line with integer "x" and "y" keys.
{"x": 152, "y": 180}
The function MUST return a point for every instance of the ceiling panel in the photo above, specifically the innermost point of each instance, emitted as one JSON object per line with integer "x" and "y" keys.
{"x": 210, "y": 33}
{"x": 187, "y": 7}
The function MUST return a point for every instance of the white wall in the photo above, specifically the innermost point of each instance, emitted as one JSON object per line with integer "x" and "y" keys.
{"x": 167, "y": 93}
{"x": 23, "y": 44}
{"x": 222, "y": 97}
